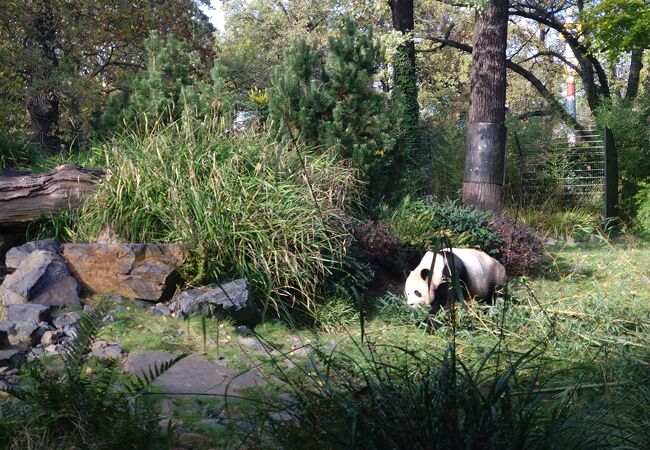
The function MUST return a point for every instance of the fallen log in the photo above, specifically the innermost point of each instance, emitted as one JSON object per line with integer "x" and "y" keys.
{"x": 25, "y": 197}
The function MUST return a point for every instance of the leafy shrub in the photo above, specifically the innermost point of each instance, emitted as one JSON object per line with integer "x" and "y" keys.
{"x": 244, "y": 205}
{"x": 631, "y": 137}
{"x": 643, "y": 204}
{"x": 520, "y": 249}
{"x": 384, "y": 253}
{"x": 420, "y": 222}
{"x": 69, "y": 401}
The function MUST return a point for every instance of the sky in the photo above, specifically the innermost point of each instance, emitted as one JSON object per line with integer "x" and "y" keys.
{"x": 215, "y": 14}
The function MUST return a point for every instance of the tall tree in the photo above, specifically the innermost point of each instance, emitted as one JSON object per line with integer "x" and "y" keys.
{"x": 485, "y": 154}
{"x": 58, "y": 57}
{"x": 405, "y": 89}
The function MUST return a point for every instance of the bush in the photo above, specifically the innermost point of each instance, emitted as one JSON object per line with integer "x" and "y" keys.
{"x": 245, "y": 206}
{"x": 520, "y": 249}
{"x": 420, "y": 222}
{"x": 631, "y": 137}
{"x": 643, "y": 204}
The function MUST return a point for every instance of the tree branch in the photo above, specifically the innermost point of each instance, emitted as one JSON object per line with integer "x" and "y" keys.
{"x": 553, "y": 55}
{"x": 554, "y": 104}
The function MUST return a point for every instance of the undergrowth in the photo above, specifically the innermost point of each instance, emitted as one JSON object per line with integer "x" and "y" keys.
{"x": 71, "y": 401}
{"x": 243, "y": 205}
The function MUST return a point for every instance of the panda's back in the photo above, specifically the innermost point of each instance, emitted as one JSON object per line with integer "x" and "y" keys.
{"x": 483, "y": 271}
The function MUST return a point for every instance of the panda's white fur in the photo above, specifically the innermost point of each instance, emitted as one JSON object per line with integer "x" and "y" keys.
{"x": 482, "y": 274}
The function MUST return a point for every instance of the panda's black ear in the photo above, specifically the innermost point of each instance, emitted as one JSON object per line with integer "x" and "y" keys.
{"x": 406, "y": 273}
{"x": 424, "y": 273}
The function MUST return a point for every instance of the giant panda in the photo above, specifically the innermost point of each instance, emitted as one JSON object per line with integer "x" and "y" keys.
{"x": 479, "y": 272}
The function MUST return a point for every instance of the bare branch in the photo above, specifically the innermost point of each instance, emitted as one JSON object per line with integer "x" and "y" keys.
{"x": 554, "y": 104}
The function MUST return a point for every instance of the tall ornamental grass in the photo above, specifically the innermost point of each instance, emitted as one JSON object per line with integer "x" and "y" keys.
{"x": 244, "y": 205}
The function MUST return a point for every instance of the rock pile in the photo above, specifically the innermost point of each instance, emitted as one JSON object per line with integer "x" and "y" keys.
{"x": 45, "y": 275}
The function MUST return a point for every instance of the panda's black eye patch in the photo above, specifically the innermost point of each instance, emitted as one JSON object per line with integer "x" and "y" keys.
{"x": 417, "y": 294}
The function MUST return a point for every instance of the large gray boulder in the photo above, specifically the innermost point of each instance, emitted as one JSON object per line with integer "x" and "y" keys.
{"x": 230, "y": 298}
{"x": 16, "y": 255}
{"x": 40, "y": 277}
{"x": 144, "y": 271}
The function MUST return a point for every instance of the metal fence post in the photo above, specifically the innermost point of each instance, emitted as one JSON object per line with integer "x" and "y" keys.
{"x": 611, "y": 176}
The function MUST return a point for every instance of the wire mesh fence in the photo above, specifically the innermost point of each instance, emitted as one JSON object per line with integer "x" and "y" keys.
{"x": 569, "y": 169}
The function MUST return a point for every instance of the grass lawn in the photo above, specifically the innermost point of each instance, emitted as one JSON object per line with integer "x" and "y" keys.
{"x": 585, "y": 316}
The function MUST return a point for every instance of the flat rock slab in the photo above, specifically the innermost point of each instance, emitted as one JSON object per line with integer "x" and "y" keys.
{"x": 193, "y": 375}
{"x": 133, "y": 270}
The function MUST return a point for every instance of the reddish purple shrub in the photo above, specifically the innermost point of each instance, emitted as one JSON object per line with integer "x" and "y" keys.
{"x": 520, "y": 249}
{"x": 378, "y": 243}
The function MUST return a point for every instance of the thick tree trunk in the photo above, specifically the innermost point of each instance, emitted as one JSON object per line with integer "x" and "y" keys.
{"x": 405, "y": 93}
{"x": 43, "y": 111}
{"x": 636, "y": 64}
{"x": 41, "y": 101}
{"x": 485, "y": 154}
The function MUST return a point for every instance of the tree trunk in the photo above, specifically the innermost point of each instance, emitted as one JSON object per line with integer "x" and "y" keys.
{"x": 405, "y": 93}
{"x": 41, "y": 101}
{"x": 25, "y": 197}
{"x": 636, "y": 64}
{"x": 485, "y": 154}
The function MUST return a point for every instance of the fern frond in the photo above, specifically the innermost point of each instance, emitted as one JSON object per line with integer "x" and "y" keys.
{"x": 74, "y": 354}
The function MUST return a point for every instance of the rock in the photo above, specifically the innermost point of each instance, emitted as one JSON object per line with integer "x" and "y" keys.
{"x": 110, "y": 351}
{"x": 143, "y": 271}
{"x": 17, "y": 254}
{"x": 161, "y": 310}
{"x": 252, "y": 343}
{"x": 42, "y": 278}
{"x": 65, "y": 320}
{"x": 232, "y": 298}
{"x": 102, "y": 349}
{"x": 28, "y": 312}
{"x": 282, "y": 417}
{"x": 51, "y": 348}
{"x": 192, "y": 440}
{"x": 49, "y": 338}
{"x": 193, "y": 375}
{"x": 11, "y": 358}
{"x": 20, "y": 333}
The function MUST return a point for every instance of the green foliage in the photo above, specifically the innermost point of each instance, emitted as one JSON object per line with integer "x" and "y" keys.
{"x": 549, "y": 220}
{"x": 632, "y": 139}
{"x": 330, "y": 101}
{"x": 388, "y": 396}
{"x": 74, "y": 52}
{"x": 166, "y": 91}
{"x": 643, "y": 213}
{"x": 443, "y": 166}
{"x": 618, "y": 25}
{"x": 421, "y": 222}
{"x": 244, "y": 205}
{"x": 69, "y": 400}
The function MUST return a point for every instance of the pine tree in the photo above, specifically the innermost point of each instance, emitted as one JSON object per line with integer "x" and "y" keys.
{"x": 329, "y": 101}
